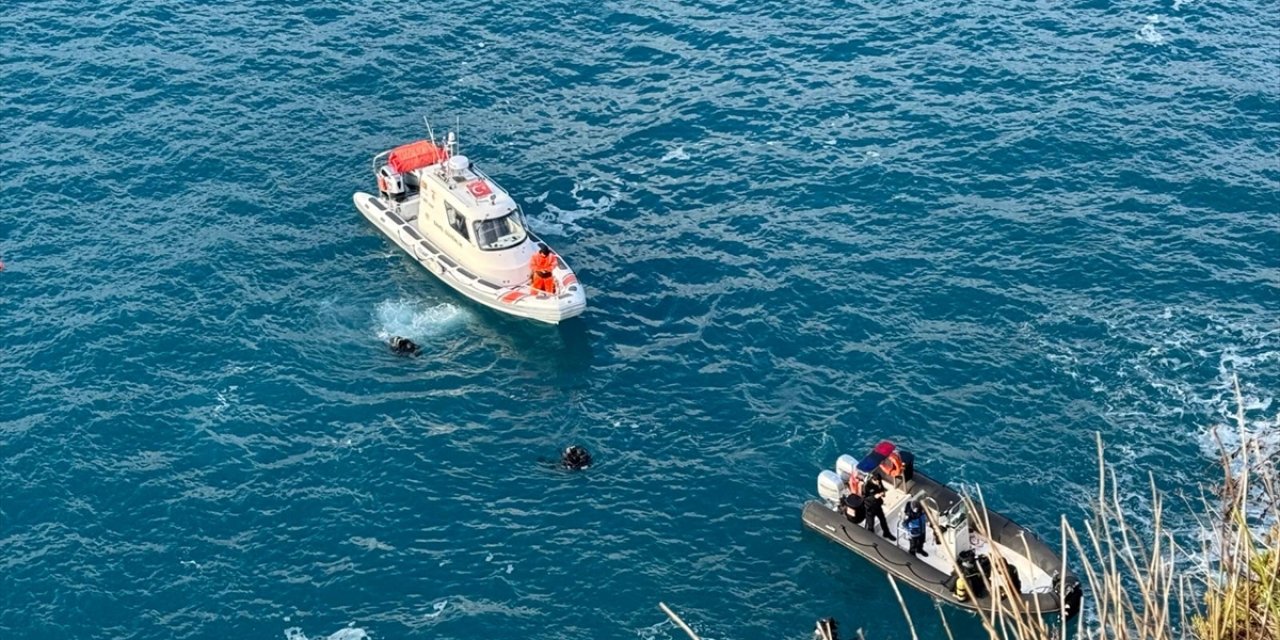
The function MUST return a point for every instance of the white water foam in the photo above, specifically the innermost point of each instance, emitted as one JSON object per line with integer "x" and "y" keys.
{"x": 678, "y": 154}
{"x": 436, "y": 609}
{"x": 561, "y": 220}
{"x": 370, "y": 544}
{"x": 1253, "y": 442}
{"x": 417, "y": 321}
{"x": 1171, "y": 373}
{"x": 1148, "y": 33}
{"x": 350, "y": 633}
{"x": 1261, "y": 418}
{"x": 1160, "y": 359}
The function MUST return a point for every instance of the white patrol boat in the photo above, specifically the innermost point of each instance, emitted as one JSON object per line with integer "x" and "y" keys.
{"x": 461, "y": 226}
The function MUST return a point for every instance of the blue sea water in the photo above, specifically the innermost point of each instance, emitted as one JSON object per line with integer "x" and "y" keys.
{"x": 986, "y": 230}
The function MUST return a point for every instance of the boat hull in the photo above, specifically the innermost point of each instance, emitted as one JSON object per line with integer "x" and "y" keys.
{"x": 893, "y": 558}
{"x": 521, "y": 301}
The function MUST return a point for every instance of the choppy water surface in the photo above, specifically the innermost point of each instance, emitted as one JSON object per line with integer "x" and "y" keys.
{"x": 986, "y": 230}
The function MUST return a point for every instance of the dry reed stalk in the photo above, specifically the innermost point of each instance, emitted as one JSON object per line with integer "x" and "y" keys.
{"x": 1243, "y": 602}
{"x": 1131, "y": 582}
{"x": 942, "y": 615}
{"x": 907, "y": 614}
{"x": 676, "y": 619}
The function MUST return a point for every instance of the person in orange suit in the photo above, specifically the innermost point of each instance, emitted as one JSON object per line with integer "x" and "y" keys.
{"x": 542, "y": 265}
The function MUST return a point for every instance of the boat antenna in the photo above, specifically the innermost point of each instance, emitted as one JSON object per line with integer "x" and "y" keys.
{"x": 430, "y": 133}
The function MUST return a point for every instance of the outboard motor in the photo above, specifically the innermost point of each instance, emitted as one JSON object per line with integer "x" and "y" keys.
{"x": 575, "y": 458}
{"x": 827, "y": 630}
{"x": 390, "y": 183}
{"x": 829, "y": 487}
{"x": 846, "y": 466}
{"x": 403, "y": 346}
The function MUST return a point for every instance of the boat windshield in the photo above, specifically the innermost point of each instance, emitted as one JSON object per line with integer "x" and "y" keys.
{"x": 500, "y": 233}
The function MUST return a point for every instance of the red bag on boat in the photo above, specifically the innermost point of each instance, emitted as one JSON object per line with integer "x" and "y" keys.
{"x": 415, "y": 155}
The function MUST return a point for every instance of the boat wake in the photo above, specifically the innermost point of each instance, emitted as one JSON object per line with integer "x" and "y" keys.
{"x": 417, "y": 321}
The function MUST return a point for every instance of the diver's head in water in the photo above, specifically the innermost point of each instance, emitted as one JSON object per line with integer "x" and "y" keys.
{"x": 403, "y": 346}
{"x": 575, "y": 457}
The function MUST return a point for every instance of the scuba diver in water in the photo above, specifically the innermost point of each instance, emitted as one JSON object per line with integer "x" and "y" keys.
{"x": 403, "y": 346}
{"x": 575, "y": 458}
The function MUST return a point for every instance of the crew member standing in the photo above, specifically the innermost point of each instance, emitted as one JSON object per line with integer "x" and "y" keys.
{"x": 873, "y": 499}
{"x": 916, "y": 523}
{"x": 542, "y": 265}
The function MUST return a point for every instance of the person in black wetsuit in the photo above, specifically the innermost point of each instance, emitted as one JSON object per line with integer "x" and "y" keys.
{"x": 575, "y": 458}
{"x": 873, "y": 500}
{"x": 402, "y": 346}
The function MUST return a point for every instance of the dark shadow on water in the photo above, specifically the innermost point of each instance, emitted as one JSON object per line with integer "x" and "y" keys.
{"x": 567, "y": 347}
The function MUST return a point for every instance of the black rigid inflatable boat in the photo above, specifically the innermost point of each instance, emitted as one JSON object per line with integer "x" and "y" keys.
{"x": 954, "y": 548}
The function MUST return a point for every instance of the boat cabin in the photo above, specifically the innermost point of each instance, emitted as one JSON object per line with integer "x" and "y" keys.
{"x": 461, "y": 210}
{"x": 471, "y": 205}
